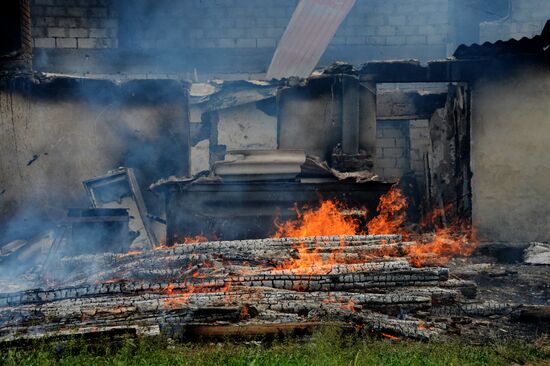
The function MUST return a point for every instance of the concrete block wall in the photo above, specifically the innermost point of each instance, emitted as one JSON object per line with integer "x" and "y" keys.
{"x": 392, "y": 149}
{"x": 526, "y": 19}
{"x": 74, "y": 24}
{"x": 395, "y": 23}
{"x": 196, "y": 30}
{"x": 419, "y": 133}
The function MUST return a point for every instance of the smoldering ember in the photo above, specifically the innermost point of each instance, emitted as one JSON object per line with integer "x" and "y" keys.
{"x": 234, "y": 168}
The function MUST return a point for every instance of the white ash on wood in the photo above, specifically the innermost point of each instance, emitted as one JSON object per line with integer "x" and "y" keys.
{"x": 249, "y": 284}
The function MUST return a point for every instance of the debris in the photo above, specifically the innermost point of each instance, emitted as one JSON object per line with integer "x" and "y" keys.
{"x": 119, "y": 189}
{"x": 12, "y": 247}
{"x": 97, "y": 230}
{"x": 249, "y": 165}
{"x": 537, "y": 253}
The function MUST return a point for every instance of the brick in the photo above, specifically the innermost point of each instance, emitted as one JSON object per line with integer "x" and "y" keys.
{"x": 266, "y": 42}
{"x": 65, "y": 42}
{"x": 227, "y": 42}
{"x": 365, "y": 31}
{"x": 98, "y": 12}
{"x": 436, "y": 39}
{"x": 419, "y": 134}
{"x": 45, "y": 22}
{"x": 396, "y": 40}
{"x": 235, "y": 33}
{"x": 76, "y": 12}
{"x": 385, "y": 142}
{"x": 386, "y": 31}
{"x": 394, "y": 172}
{"x": 54, "y": 11}
{"x": 274, "y": 32}
{"x": 246, "y": 42}
{"x": 196, "y": 33}
{"x": 401, "y": 142}
{"x": 39, "y": 32}
{"x": 44, "y": 42}
{"x": 376, "y": 40}
{"x": 397, "y": 20}
{"x": 93, "y": 43}
{"x": 109, "y": 23}
{"x": 355, "y": 40}
{"x": 384, "y": 163}
{"x": 99, "y": 33}
{"x": 58, "y": 32}
{"x": 66, "y": 2}
{"x": 38, "y": 11}
{"x": 416, "y": 40}
{"x": 68, "y": 22}
{"x": 78, "y": 32}
{"x": 393, "y": 152}
{"x": 402, "y": 163}
{"x": 418, "y": 166}
{"x": 419, "y": 123}
{"x": 391, "y": 131}
{"x": 209, "y": 43}
{"x": 338, "y": 40}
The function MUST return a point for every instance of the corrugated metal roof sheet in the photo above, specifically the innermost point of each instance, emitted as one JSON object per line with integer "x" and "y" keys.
{"x": 306, "y": 37}
{"x": 524, "y": 46}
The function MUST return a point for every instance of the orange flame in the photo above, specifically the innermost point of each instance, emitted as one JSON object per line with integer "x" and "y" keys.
{"x": 327, "y": 220}
{"x": 390, "y": 336}
{"x": 391, "y": 214}
{"x": 179, "y": 298}
{"x": 195, "y": 239}
{"x": 454, "y": 240}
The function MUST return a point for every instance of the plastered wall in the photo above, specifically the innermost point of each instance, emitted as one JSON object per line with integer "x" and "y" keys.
{"x": 55, "y": 134}
{"x": 510, "y": 164}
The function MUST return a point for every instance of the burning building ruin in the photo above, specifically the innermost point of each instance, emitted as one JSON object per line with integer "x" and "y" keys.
{"x": 237, "y": 180}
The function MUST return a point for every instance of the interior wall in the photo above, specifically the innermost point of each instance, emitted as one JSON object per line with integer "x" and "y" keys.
{"x": 56, "y": 133}
{"x": 511, "y": 169}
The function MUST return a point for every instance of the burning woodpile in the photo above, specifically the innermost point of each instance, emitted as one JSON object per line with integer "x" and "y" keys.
{"x": 315, "y": 270}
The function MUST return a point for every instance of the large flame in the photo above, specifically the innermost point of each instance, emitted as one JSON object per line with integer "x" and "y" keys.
{"x": 327, "y": 220}
{"x": 444, "y": 241}
{"x": 391, "y": 214}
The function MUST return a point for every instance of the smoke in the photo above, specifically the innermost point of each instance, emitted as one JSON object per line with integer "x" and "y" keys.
{"x": 61, "y": 131}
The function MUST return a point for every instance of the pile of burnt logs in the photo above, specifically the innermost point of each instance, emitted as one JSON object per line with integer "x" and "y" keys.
{"x": 244, "y": 287}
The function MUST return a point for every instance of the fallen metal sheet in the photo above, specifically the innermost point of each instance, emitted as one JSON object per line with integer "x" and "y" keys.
{"x": 119, "y": 189}
{"x": 307, "y": 36}
{"x": 254, "y": 165}
{"x": 234, "y": 93}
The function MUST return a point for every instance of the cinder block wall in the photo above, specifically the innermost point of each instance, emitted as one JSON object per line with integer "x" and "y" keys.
{"x": 401, "y": 146}
{"x": 392, "y": 149}
{"x": 527, "y": 18}
{"x": 196, "y": 31}
{"x": 419, "y": 134}
{"x": 234, "y": 39}
{"x": 74, "y": 24}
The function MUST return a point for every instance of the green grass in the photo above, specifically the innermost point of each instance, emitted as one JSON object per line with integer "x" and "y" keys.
{"x": 326, "y": 347}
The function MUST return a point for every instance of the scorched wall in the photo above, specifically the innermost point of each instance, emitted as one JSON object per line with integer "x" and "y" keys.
{"x": 56, "y": 132}
{"x": 511, "y": 169}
